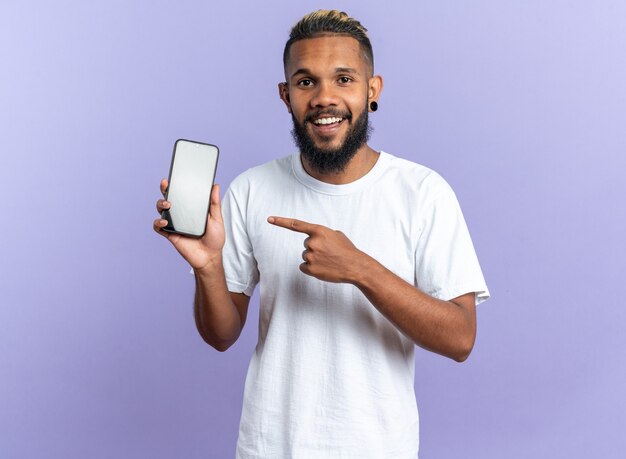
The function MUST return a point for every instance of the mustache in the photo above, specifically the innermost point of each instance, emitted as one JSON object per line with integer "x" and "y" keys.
{"x": 327, "y": 112}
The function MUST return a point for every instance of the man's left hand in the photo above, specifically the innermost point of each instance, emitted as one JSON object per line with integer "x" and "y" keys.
{"x": 328, "y": 254}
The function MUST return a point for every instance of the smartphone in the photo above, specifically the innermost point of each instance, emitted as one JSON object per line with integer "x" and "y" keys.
{"x": 191, "y": 177}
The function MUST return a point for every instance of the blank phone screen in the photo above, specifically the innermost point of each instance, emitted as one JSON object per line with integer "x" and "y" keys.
{"x": 189, "y": 191}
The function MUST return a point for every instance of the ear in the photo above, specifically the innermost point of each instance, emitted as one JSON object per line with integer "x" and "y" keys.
{"x": 375, "y": 87}
{"x": 283, "y": 93}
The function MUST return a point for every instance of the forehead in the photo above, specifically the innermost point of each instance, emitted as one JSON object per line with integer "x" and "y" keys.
{"x": 325, "y": 53}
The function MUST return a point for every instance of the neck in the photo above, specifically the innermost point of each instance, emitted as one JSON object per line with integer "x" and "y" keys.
{"x": 360, "y": 164}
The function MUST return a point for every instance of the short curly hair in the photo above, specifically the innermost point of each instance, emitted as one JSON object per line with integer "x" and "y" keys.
{"x": 330, "y": 23}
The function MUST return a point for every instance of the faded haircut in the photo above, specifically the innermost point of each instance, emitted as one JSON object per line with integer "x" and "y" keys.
{"x": 329, "y": 23}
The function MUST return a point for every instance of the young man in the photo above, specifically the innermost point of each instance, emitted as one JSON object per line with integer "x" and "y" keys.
{"x": 360, "y": 256}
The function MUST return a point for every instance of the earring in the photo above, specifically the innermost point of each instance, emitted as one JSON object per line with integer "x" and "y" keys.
{"x": 373, "y": 105}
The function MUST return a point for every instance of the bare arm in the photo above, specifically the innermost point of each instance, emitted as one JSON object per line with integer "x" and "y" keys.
{"x": 445, "y": 327}
{"x": 220, "y": 315}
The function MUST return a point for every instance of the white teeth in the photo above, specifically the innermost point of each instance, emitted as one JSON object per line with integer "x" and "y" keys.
{"x": 327, "y": 120}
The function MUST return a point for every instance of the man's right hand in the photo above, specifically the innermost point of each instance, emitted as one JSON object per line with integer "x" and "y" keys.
{"x": 199, "y": 252}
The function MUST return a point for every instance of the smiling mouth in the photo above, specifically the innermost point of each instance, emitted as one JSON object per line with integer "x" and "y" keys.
{"x": 326, "y": 121}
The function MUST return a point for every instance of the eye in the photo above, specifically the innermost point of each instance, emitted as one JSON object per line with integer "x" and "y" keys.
{"x": 305, "y": 83}
{"x": 344, "y": 79}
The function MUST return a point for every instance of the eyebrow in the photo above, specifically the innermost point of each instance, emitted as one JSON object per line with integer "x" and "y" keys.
{"x": 337, "y": 70}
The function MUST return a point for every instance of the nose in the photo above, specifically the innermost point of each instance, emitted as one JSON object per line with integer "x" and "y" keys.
{"x": 324, "y": 96}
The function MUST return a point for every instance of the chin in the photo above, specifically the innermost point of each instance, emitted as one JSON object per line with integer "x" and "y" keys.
{"x": 330, "y": 147}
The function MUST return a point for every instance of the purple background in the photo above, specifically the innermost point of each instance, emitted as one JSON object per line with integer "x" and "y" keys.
{"x": 521, "y": 106}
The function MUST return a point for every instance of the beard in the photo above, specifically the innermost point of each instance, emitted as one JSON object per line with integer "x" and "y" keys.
{"x": 332, "y": 160}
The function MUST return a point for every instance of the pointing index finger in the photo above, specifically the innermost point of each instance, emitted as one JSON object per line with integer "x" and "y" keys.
{"x": 294, "y": 224}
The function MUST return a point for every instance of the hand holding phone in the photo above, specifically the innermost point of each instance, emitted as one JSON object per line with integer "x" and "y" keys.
{"x": 196, "y": 235}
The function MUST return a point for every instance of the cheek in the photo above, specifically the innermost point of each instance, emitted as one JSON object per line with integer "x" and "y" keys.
{"x": 298, "y": 108}
{"x": 357, "y": 101}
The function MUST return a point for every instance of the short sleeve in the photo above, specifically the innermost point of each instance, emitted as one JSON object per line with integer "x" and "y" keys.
{"x": 446, "y": 265}
{"x": 240, "y": 266}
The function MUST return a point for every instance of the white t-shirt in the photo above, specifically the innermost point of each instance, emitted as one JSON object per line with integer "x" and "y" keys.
{"x": 331, "y": 377}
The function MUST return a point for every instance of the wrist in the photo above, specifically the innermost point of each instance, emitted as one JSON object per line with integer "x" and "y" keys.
{"x": 213, "y": 264}
{"x": 366, "y": 270}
